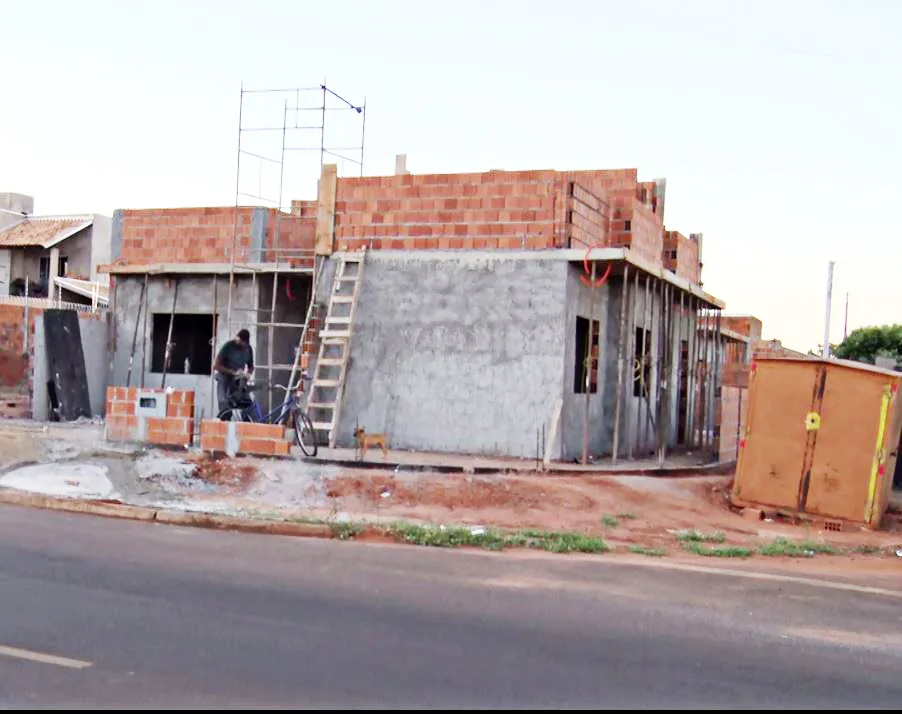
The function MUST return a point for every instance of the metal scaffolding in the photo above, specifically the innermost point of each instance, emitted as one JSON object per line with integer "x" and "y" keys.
{"x": 304, "y": 113}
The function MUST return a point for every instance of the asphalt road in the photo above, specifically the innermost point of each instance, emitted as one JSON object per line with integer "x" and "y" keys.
{"x": 149, "y": 616}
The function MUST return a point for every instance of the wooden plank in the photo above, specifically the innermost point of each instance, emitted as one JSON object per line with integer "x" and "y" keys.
{"x": 325, "y": 213}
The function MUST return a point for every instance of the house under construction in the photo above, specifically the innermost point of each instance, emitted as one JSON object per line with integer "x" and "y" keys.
{"x": 510, "y": 313}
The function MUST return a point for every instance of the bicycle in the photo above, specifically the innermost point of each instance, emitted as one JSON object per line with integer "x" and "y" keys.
{"x": 244, "y": 408}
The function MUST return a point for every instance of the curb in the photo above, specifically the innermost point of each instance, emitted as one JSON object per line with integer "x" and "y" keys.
{"x": 115, "y": 509}
{"x": 716, "y": 469}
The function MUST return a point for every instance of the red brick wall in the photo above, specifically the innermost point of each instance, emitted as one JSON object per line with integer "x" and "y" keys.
{"x": 15, "y": 362}
{"x": 743, "y": 324}
{"x": 680, "y": 256}
{"x": 262, "y": 439}
{"x": 205, "y": 235}
{"x": 774, "y": 348}
{"x": 175, "y": 429}
{"x": 296, "y": 238}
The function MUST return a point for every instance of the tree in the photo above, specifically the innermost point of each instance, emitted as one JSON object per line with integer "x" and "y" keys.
{"x": 867, "y": 343}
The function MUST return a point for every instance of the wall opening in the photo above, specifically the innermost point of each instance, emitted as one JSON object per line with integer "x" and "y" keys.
{"x": 191, "y": 345}
{"x": 641, "y": 362}
{"x": 586, "y": 356}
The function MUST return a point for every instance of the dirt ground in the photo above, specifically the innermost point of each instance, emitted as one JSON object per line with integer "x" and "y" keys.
{"x": 641, "y": 510}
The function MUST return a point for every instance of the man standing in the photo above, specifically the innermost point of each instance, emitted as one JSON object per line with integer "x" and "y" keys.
{"x": 235, "y": 357}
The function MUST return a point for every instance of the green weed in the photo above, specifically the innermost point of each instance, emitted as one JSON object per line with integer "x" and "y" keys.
{"x": 609, "y": 522}
{"x": 868, "y": 549}
{"x": 651, "y": 552}
{"x": 628, "y": 516}
{"x": 455, "y": 536}
{"x": 345, "y": 531}
{"x": 802, "y": 549}
{"x": 697, "y": 537}
{"x": 696, "y": 548}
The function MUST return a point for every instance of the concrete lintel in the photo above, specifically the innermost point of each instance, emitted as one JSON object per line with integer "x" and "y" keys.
{"x": 202, "y": 269}
{"x": 572, "y": 255}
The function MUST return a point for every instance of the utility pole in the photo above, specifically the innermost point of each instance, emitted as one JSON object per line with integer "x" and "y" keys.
{"x": 845, "y": 324}
{"x": 825, "y": 349}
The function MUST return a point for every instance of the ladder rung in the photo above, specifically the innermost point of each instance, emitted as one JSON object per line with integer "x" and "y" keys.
{"x": 340, "y": 320}
{"x": 328, "y": 383}
{"x": 334, "y": 334}
{"x": 342, "y": 298}
{"x": 330, "y": 361}
{"x": 347, "y": 278}
{"x": 322, "y": 426}
{"x": 333, "y": 340}
{"x": 320, "y": 405}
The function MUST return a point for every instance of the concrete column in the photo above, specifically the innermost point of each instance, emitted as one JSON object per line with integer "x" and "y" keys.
{"x": 54, "y": 271}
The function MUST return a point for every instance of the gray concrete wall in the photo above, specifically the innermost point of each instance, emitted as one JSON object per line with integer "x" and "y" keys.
{"x": 101, "y": 247}
{"x": 78, "y": 249}
{"x": 600, "y": 304}
{"x": 195, "y": 296}
{"x": 94, "y": 348}
{"x": 457, "y": 355}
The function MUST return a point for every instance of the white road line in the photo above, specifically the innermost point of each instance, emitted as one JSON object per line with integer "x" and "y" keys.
{"x": 32, "y": 656}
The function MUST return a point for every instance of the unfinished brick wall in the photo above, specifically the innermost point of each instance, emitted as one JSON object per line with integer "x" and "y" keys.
{"x": 15, "y": 362}
{"x": 680, "y": 256}
{"x": 733, "y": 409}
{"x": 774, "y": 348}
{"x": 296, "y": 236}
{"x": 205, "y": 235}
{"x": 260, "y": 439}
{"x": 498, "y": 210}
{"x": 123, "y": 424}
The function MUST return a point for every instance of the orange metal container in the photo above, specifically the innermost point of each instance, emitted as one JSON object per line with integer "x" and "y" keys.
{"x": 820, "y": 438}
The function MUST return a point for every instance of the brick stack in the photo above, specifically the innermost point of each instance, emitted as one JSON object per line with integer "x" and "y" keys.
{"x": 123, "y": 424}
{"x": 259, "y": 439}
{"x": 311, "y": 340}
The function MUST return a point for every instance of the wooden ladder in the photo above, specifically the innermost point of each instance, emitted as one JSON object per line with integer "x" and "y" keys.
{"x": 330, "y": 372}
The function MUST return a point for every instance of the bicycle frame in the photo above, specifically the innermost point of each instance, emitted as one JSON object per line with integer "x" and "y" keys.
{"x": 276, "y": 415}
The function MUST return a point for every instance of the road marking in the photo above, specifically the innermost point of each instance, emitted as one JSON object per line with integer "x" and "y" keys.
{"x": 32, "y": 656}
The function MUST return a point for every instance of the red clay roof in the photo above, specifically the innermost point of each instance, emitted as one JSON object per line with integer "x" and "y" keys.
{"x": 42, "y": 232}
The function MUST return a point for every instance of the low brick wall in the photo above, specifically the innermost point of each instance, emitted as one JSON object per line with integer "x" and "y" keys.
{"x": 124, "y": 424}
{"x": 260, "y": 439}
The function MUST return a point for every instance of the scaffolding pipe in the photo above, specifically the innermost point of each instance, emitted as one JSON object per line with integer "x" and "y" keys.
{"x": 235, "y": 223}
{"x": 631, "y": 358}
{"x": 693, "y": 367}
{"x": 588, "y": 373}
{"x": 144, "y": 335}
{"x": 716, "y": 386}
{"x": 645, "y": 386}
{"x": 167, "y": 353}
{"x": 131, "y": 357}
{"x": 667, "y": 361}
{"x": 213, "y": 344}
{"x": 621, "y": 357}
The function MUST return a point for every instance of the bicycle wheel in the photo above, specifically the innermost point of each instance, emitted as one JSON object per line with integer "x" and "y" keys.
{"x": 234, "y": 415}
{"x": 303, "y": 431}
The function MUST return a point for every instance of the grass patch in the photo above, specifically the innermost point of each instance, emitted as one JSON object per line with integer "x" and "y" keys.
{"x": 628, "y": 516}
{"x": 609, "y": 522}
{"x": 345, "y": 531}
{"x": 868, "y": 549}
{"x": 697, "y": 537}
{"x": 455, "y": 537}
{"x": 651, "y": 552}
{"x": 801, "y": 549}
{"x": 696, "y": 548}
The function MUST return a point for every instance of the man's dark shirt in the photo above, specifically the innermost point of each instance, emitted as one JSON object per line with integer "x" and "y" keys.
{"x": 235, "y": 356}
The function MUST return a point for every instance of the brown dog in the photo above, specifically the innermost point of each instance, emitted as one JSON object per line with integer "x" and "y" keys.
{"x": 365, "y": 441}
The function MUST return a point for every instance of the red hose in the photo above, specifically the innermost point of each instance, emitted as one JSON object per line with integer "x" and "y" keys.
{"x": 587, "y": 278}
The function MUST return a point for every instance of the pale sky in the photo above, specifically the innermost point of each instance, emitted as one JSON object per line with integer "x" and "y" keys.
{"x": 776, "y": 124}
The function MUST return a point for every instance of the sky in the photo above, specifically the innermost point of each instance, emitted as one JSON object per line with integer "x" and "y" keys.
{"x": 775, "y": 123}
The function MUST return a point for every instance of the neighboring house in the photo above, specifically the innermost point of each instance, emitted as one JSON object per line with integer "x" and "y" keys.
{"x": 52, "y": 256}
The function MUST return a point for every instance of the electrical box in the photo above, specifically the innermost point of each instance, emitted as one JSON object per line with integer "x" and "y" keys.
{"x": 150, "y": 403}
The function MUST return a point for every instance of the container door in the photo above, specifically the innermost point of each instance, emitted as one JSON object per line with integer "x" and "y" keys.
{"x": 773, "y": 450}
{"x": 852, "y": 417}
